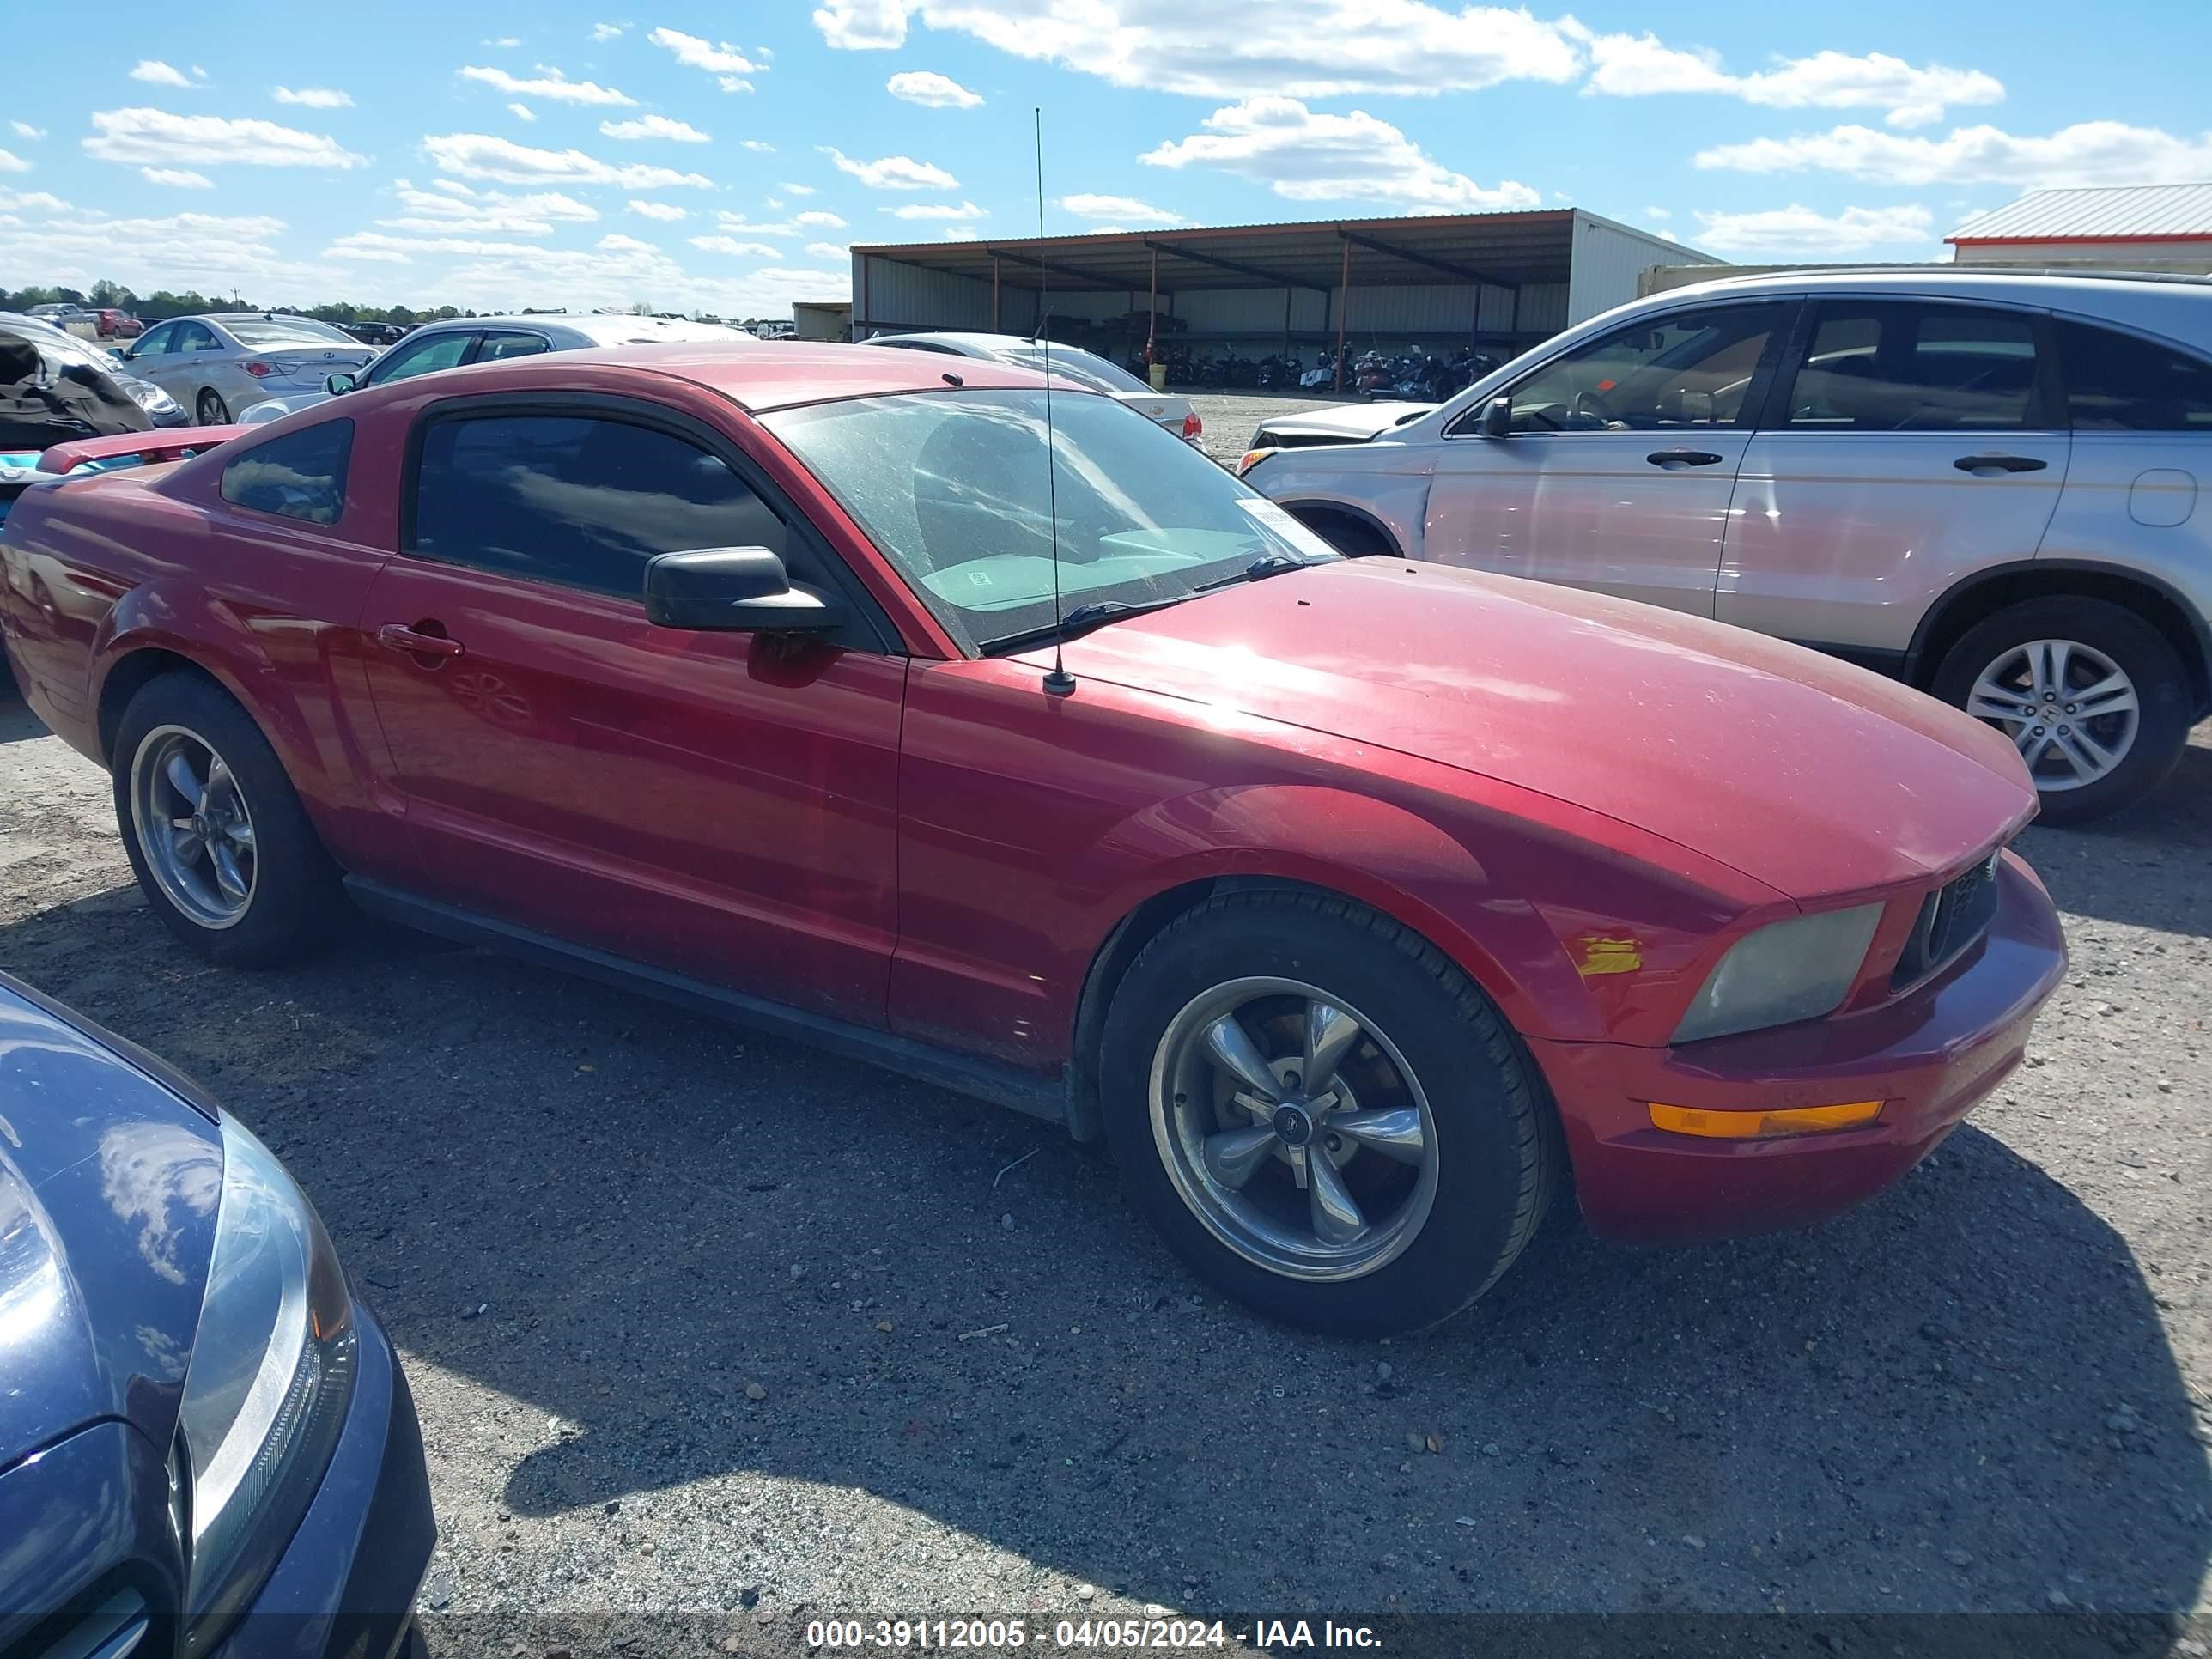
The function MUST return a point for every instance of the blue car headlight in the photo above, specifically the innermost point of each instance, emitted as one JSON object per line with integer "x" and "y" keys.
{"x": 270, "y": 1376}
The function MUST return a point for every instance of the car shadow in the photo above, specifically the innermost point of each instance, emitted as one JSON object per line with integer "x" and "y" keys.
{"x": 2147, "y": 866}
{"x": 17, "y": 723}
{"x": 687, "y": 1251}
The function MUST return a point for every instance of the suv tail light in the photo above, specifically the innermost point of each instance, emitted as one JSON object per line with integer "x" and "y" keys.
{"x": 1193, "y": 427}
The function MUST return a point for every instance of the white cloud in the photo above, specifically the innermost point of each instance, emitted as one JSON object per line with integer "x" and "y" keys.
{"x": 448, "y": 206}
{"x": 828, "y": 249}
{"x": 2088, "y": 152}
{"x": 1306, "y": 157}
{"x": 937, "y": 210}
{"x": 211, "y": 252}
{"x": 36, "y": 199}
{"x": 176, "y": 178}
{"x": 667, "y": 212}
{"x": 313, "y": 97}
{"x": 931, "y": 90}
{"x": 724, "y": 60}
{"x": 819, "y": 219}
{"x": 11, "y": 162}
{"x": 25, "y": 130}
{"x": 1118, "y": 207}
{"x": 960, "y": 233}
{"x": 1398, "y": 46}
{"x": 522, "y": 111}
{"x": 736, "y": 249}
{"x": 797, "y": 189}
{"x": 1636, "y": 65}
{"x": 157, "y": 73}
{"x": 549, "y": 84}
{"x": 504, "y": 42}
{"x": 655, "y": 126}
{"x": 608, "y": 31}
{"x": 759, "y": 146}
{"x": 1797, "y": 230}
{"x": 892, "y": 172}
{"x": 614, "y": 242}
{"x": 198, "y": 74}
{"x": 376, "y": 245}
{"x": 157, "y": 136}
{"x": 1658, "y": 212}
{"x": 480, "y": 155}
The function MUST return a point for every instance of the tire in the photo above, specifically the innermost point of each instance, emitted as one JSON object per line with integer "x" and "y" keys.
{"x": 2005, "y": 656}
{"x": 1355, "y": 538}
{"x": 1443, "y": 1220}
{"x": 293, "y": 903}
{"x": 212, "y": 409}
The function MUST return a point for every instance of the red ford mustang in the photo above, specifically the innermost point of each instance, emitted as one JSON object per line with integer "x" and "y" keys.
{"x": 1359, "y": 905}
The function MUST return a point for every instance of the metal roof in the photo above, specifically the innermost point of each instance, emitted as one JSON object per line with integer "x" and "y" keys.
{"x": 2128, "y": 213}
{"x": 1504, "y": 250}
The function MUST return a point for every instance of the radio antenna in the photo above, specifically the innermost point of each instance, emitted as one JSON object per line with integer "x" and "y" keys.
{"x": 1060, "y": 682}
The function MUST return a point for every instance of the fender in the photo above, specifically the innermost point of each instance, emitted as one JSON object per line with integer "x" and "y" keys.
{"x": 1396, "y": 503}
{"x": 1347, "y": 510}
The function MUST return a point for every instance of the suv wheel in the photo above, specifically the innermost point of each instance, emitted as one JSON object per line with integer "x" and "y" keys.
{"x": 216, "y": 835}
{"x": 1325, "y": 1118}
{"x": 2094, "y": 696}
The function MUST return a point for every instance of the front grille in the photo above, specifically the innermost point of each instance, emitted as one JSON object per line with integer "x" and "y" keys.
{"x": 1951, "y": 919}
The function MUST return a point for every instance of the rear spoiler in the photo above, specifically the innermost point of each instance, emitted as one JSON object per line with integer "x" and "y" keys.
{"x": 171, "y": 444}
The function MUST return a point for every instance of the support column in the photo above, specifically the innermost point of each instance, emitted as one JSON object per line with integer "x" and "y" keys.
{"x": 995, "y": 327}
{"x": 1343, "y": 306}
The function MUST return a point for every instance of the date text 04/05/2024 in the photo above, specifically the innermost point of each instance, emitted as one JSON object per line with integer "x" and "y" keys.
{"x": 1012, "y": 1635}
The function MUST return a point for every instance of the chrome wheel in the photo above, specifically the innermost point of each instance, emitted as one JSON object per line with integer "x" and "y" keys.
{"x": 2071, "y": 711}
{"x": 194, "y": 828}
{"x": 1293, "y": 1128}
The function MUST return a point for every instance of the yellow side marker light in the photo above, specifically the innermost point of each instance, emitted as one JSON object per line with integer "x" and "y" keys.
{"x": 1764, "y": 1126}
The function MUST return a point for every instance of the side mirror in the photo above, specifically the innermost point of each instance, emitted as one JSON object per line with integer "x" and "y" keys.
{"x": 341, "y": 383}
{"x": 1497, "y": 418}
{"x": 733, "y": 590}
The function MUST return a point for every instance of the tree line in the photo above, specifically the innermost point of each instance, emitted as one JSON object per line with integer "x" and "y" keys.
{"x": 161, "y": 303}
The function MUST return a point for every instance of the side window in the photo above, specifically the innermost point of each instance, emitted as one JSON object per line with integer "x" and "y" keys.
{"x": 497, "y": 345}
{"x": 155, "y": 341}
{"x": 2116, "y": 383}
{"x": 1889, "y": 367}
{"x": 1688, "y": 368}
{"x": 194, "y": 337}
{"x": 420, "y": 356}
{"x": 580, "y": 501}
{"x": 301, "y": 475}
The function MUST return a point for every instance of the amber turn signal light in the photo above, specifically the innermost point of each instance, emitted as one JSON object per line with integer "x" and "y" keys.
{"x": 1764, "y": 1126}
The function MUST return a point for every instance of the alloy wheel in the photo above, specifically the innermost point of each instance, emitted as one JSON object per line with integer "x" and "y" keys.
{"x": 1293, "y": 1128}
{"x": 2070, "y": 710}
{"x": 194, "y": 826}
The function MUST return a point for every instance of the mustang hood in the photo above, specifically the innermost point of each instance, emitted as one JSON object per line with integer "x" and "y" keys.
{"x": 1806, "y": 774}
{"x": 109, "y": 1185}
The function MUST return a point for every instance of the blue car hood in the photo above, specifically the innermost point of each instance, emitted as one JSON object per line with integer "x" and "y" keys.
{"x": 111, "y": 1173}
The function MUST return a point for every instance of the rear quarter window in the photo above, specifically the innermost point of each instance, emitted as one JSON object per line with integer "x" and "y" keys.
{"x": 2118, "y": 383}
{"x": 301, "y": 475}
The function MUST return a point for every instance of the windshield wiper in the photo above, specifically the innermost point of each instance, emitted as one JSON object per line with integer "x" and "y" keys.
{"x": 1268, "y": 564}
{"x": 1082, "y": 617}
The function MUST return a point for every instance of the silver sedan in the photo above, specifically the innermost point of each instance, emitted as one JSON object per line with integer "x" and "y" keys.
{"x": 214, "y": 366}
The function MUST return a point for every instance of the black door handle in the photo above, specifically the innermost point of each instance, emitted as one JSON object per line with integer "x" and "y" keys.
{"x": 1999, "y": 464}
{"x": 1674, "y": 457}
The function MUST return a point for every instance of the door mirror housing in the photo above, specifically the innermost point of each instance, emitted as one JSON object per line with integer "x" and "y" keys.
{"x": 1496, "y": 418}
{"x": 733, "y": 590}
{"x": 339, "y": 384}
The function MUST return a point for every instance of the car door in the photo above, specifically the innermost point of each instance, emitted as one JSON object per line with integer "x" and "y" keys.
{"x": 153, "y": 354}
{"x": 1620, "y": 459}
{"x": 1908, "y": 443}
{"x": 719, "y": 805}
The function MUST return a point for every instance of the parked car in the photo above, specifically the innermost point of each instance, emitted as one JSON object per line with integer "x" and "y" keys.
{"x": 205, "y": 1439}
{"x": 1356, "y": 903}
{"x": 491, "y": 339}
{"x": 1339, "y": 423}
{"x": 1085, "y": 369}
{"x": 217, "y": 365}
{"x": 59, "y": 349}
{"x": 68, "y": 317}
{"x": 113, "y": 324}
{"x": 1985, "y": 483}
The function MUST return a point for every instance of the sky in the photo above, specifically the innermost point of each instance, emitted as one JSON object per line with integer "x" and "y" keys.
{"x": 725, "y": 157}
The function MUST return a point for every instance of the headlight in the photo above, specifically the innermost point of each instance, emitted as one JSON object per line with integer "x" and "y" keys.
{"x": 1799, "y": 968}
{"x": 271, "y": 1372}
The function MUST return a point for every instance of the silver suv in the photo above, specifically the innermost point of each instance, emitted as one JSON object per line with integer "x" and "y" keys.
{"x": 1984, "y": 484}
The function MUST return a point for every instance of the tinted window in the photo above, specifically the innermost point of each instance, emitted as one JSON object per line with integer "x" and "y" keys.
{"x": 301, "y": 475}
{"x": 196, "y": 337}
{"x": 1689, "y": 369}
{"x": 155, "y": 341}
{"x": 2115, "y": 382}
{"x": 1889, "y": 367}
{"x": 577, "y": 501}
{"x": 1083, "y": 367}
{"x": 420, "y": 356}
{"x": 287, "y": 331}
{"x": 497, "y": 346}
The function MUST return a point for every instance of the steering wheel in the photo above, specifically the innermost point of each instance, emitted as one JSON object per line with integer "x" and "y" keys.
{"x": 1588, "y": 405}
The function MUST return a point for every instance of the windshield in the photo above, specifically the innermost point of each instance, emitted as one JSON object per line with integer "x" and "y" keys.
{"x": 1085, "y": 368}
{"x": 287, "y": 331}
{"x": 952, "y": 487}
{"x": 55, "y": 341}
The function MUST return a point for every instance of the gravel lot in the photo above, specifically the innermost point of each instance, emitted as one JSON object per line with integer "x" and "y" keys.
{"x": 1229, "y": 417}
{"x": 699, "y": 1321}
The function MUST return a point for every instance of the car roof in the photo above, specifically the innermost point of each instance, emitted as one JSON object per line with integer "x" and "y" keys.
{"x": 756, "y": 376}
{"x": 979, "y": 345}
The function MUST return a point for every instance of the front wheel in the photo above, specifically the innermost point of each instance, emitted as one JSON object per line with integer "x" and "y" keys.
{"x": 213, "y": 411}
{"x": 1322, "y": 1115}
{"x": 2095, "y": 697}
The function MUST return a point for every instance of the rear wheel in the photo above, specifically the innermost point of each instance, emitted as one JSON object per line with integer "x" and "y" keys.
{"x": 1324, "y": 1118}
{"x": 212, "y": 411}
{"x": 2095, "y": 697}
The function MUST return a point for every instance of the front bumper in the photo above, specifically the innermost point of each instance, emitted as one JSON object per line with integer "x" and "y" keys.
{"x": 1929, "y": 1057}
{"x": 345, "y": 1586}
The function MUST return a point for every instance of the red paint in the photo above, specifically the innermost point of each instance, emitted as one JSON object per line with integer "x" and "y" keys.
{"x": 1537, "y": 781}
{"x": 2191, "y": 237}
